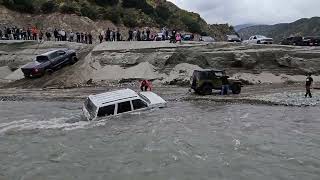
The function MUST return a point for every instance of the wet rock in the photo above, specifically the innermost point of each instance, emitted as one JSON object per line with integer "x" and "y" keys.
{"x": 290, "y": 99}
{"x": 181, "y": 74}
{"x": 244, "y": 60}
{"x": 303, "y": 65}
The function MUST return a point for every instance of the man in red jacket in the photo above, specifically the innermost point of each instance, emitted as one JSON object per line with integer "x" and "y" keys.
{"x": 145, "y": 85}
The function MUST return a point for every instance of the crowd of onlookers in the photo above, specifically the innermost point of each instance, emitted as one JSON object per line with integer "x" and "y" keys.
{"x": 14, "y": 33}
{"x": 33, "y": 33}
{"x": 141, "y": 35}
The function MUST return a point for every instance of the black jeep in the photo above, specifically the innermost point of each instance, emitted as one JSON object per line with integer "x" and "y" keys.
{"x": 204, "y": 81}
{"x": 294, "y": 40}
{"x": 49, "y": 62}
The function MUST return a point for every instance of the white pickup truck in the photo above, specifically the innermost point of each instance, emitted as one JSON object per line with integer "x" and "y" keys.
{"x": 259, "y": 39}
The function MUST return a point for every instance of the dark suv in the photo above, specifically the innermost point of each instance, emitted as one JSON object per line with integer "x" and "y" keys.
{"x": 49, "y": 62}
{"x": 204, "y": 81}
{"x": 312, "y": 40}
{"x": 294, "y": 40}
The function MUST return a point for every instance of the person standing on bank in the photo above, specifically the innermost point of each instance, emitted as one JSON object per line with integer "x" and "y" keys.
{"x": 309, "y": 82}
{"x": 225, "y": 85}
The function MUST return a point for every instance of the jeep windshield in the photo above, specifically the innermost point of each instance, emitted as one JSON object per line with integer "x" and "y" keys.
{"x": 42, "y": 59}
{"x": 91, "y": 108}
{"x": 208, "y": 74}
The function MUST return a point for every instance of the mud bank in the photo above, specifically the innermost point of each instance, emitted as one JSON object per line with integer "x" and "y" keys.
{"x": 162, "y": 62}
{"x": 275, "y": 94}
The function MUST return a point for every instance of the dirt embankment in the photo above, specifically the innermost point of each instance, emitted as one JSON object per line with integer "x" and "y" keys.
{"x": 162, "y": 62}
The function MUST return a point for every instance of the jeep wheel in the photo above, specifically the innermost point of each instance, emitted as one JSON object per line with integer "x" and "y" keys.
{"x": 197, "y": 91}
{"x": 207, "y": 90}
{"x": 236, "y": 88}
{"x": 73, "y": 60}
{"x": 48, "y": 71}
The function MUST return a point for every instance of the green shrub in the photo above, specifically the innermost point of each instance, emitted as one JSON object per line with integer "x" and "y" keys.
{"x": 69, "y": 7}
{"x": 204, "y": 34}
{"x": 107, "y": 2}
{"x": 112, "y": 14}
{"x": 49, "y": 6}
{"x": 89, "y": 11}
{"x": 130, "y": 19}
{"x": 192, "y": 25}
{"x": 20, "y": 5}
{"x": 163, "y": 12}
{"x": 138, "y": 4}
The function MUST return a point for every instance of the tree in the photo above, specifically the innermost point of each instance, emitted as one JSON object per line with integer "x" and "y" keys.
{"x": 89, "y": 11}
{"x": 107, "y": 2}
{"x": 20, "y": 5}
{"x": 192, "y": 25}
{"x": 49, "y": 6}
{"x": 138, "y": 4}
{"x": 162, "y": 12}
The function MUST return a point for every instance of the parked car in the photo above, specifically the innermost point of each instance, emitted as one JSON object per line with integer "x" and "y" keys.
{"x": 207, "y": 39}
{"x": 4, "y": 38}
{"x": 259, "y": 39}
{"x": 49, "y": 62}
{"x": 120, "y": 102}
{"x": 294, "y": 40}
{"x": 312, "y": 40}
{"x": 187, "y": 37}
{"x": 233, "y": 38}
{"x": 159, "y": 37}
{"x": 204, "y": 81}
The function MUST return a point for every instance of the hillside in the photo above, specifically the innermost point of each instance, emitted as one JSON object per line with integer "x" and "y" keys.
{"x": 242, "y": 26}
{"x": 129, "y": 13}
{"x": 302, "y": 27}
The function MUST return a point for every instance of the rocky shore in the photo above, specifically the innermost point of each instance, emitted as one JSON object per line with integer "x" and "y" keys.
{"x": 168, "y": 65}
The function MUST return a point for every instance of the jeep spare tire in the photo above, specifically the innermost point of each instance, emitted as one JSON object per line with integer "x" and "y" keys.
{"x": 236, "y": 88}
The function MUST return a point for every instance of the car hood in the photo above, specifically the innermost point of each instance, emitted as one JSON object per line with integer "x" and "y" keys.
{"x": 31, "y": 65}
{"x": 154, "y": 99}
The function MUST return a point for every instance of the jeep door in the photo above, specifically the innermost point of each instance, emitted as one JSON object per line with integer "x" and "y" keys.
{"x": 217, "y": 82}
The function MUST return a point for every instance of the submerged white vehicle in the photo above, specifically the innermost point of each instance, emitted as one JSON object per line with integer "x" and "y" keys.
{"x": 119, "y": 102}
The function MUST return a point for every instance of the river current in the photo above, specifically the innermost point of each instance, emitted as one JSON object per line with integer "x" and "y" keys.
{"x": 186, "y": 140}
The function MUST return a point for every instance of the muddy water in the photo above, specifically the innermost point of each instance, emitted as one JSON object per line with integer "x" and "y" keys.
{"x": 187, "y": 140}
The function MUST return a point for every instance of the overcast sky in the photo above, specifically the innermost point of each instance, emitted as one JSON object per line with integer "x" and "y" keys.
{"x": 237, "y": 12}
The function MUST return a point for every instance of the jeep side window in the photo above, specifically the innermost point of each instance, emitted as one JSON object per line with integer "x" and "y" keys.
{"x": 211, "y": 74}
{"x": 219, "y": 74}
{"x": 106, "y": 111}
{"x": 255, "y": 37}
{"x": 138, "y": 104}
{"x": 124, "y": 107}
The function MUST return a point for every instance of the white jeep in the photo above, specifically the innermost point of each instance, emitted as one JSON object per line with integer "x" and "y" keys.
{"x": 119, "y": 102}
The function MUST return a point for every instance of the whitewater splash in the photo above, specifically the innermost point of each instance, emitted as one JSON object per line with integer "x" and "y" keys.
{"x": 54, "y": 123}
{"x": 63, "y": 123}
